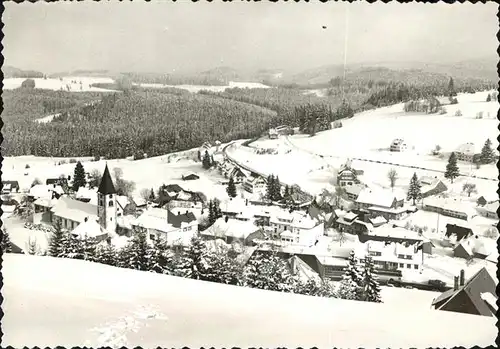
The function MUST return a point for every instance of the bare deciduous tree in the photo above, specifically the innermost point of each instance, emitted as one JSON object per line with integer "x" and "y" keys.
{"x": 469, "y": 188}
{"x": 393, "y": 177}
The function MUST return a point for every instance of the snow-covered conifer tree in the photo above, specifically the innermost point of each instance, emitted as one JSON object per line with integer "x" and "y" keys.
{"x": 193, "y": 262}
{"x": 161, "y": 257}
{"x": 6, "y": 244}
{"x": 106, "y": 254}
{"x": 56, "y": 240}
{"x": 371, "y": 289}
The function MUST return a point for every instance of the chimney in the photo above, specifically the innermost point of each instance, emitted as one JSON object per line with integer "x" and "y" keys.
{"x": 186, "y": 211}
{"x": 462, "y": 277}
{"x": 246, "y": 202}
{"x": 455, "y": 284}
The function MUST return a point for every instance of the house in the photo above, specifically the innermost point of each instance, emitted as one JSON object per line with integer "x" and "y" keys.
{"x": 475, "y": 246}
{"x": 62, "y": 181}
{"x": 232, "y": 230}
{"x": 90, "y": 228}
{"x": 72, "y": 212}
{"x": 347, "y": 175}
{"x": 398, "y": 145}
{"x": 332, "y": 268}
{"x": 9, "y": 187}
{"x": 254, "y": 184}
{"x": 175, "y": 228}
{"x": 382, "y": 202}
{"x": 205, "y": 147}
{"x": 190, "y": 177}
{"x": 352, "y": 191}
{"x": 302, "y": 270}
{"x": 87, "y": 195}
{"x": 391, "y": 256}
{"x": 449, "y": 207}
{"x": 272, "y": 133}
{"x": 351, "y": 224}
{"x": 489, "y": 210}
{"x": 487, "y": 199}
{"x": 391, "y": 233}
{"x": 296, "y": 228}
{"x": 284, "y": 130}
{"x": 466, "y": 152}
{"x": 458, "y": 232}
{"x": 477, "y": 296}
{"x": 44, "y": 191}
{"x": 238, "y": 175}
{"x": 174, "y": 196}
{"x": 236, "y": 208}
{"x": 377, "y": 221}
{"x": 431, "y": 186}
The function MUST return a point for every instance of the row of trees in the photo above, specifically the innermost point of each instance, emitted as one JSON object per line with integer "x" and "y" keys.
{"x": 360, "y": 284}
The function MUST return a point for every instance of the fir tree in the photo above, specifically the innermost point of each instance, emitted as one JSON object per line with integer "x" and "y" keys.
{"x": 152, "y": 196}
{"x": 268, "y": 272}
{"x": 414, "y": 191}
{"x": 72, "y": 247}
{"x": 276, "y": 189}
{"x": 488, "y": 98}
{"x": 223, "y": 269}
{"x": 6, "y": 244}
{"x": 371, "y": 289}
{"x": 56, "y": 242}
{"x": 451, "y": 88}
{"x": 347, "y": 289}
{"x": 270, "y": 188}
{"x": 89, "y": 248}
{"x": 162, "y": 257}
{"x": 106, "y": 254}
{"x": 193, "y": 262}
{"x": 139, "y": 251}
{"x": 452, "y": 170}
{"x": 217, "y": 210}
{"x": 352, "y": 279}
{"x": 211, "y": 212}
{"x": 231, "y": 188}
{"x": 487, "y": 156}
{"x": 79, "y": 179}
{"x": 206, "y": 161}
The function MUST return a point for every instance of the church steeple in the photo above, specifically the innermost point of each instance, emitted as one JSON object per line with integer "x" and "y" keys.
{"x": 106, "y": 186}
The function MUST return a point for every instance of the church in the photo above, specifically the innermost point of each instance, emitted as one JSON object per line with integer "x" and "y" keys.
{"x": 84, "y": 218}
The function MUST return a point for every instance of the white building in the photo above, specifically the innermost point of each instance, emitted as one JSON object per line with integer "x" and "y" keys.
{"x": 466, "y": 152}
{"x": 254, "y": 184}
{"x": 296, "y": 228}
{"x": 393, "y": 256}
{"x": 398, "y": 145}
{"x": 174, "y": 228}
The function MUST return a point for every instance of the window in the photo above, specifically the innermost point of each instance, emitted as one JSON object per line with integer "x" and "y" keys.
{"x": 111, "y": 219}
{"x": 152, "y": 236}
{"x": 401, "y": 265}
{"x": 110, "y": 204}
{"x": 408, "y": 266}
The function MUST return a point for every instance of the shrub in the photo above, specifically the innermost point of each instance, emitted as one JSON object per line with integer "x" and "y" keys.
{"x": 458, "y": 112}
{"x": 27, "y": 166}
{"x": 72, "y": 161}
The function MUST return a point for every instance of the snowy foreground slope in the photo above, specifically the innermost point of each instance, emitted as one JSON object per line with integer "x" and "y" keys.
{"x": 49, "y": 302}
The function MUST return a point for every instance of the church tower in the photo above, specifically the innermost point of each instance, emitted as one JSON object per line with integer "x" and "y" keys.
{"x": 106, "y": 203}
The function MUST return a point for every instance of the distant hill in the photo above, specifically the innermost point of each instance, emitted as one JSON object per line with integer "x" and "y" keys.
{"x": 13, "y": 72}
{"x": 84, "y": 72}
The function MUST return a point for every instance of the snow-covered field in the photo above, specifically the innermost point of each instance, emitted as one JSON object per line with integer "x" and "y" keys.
{"x": 197, "y": 88}
{"x": 63, "y": 302}
{"x": 366, "y": 135}
{"x": 67, "y": 83}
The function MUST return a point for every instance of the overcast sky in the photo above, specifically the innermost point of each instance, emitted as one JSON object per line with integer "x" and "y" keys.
{"x": 186, "y": 36}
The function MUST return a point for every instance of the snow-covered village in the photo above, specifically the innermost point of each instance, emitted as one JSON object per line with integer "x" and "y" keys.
{"x": 236, "y": 206}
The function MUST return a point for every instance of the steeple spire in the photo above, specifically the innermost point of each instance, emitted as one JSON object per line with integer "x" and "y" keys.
{"x": 106, "y": 186}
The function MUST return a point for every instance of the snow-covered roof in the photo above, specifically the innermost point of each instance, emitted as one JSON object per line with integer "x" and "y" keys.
{"x": 125, "y": 221}
{"x": 395, "y": 232}
{"x": 334, "y": 261}
{"x": 492, "y": 208}
{"x": 45, "y": 202}
{"x": 378, "y": 220}
{"x": 163, "y": 220}
{"x": 349, "y": 216}
{"x": 234, "y": 205}
{"x": 232, "y": 228}
{"x": 378, "y": 197}
{"x": 122, "y": 200}
{"x": 450, "y": 205}
{"x": 86, "y": 193}
{"x": 45, "y": 191}
{"x": 90, "y": 228}
{"x": 491, "y": 299}
{"x": 74, "y": 210}
{"x": 467, "y": 149}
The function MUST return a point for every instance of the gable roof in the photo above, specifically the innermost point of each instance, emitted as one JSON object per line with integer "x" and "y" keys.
{"x": 376, "y": 197}
{"x": 90, "y": 228}
{"x": 479, "y": 283}
{"x": 74, "y": 210}
{"x": 106, "y": 186}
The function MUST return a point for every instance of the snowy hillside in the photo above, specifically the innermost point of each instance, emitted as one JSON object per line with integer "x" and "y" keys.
{"x": 75, "y": 303}
{"x": 67, "y": 83}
